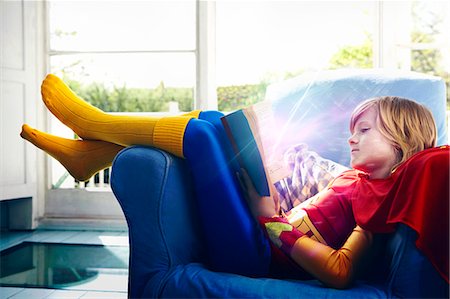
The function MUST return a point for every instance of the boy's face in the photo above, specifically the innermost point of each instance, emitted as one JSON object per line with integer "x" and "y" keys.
{"x": 371, "y": 152}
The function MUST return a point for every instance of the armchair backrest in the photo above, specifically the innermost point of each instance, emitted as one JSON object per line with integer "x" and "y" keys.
{"x": 315, "y": 108}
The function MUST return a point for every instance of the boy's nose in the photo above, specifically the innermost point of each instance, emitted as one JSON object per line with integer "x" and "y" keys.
{"x": 352, "y": 139}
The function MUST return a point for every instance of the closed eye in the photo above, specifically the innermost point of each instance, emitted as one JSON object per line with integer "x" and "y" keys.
{"x": 364, "y": 130}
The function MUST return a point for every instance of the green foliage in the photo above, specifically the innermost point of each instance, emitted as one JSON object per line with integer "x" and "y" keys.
{"x": 359, "y": 56}
{"x": 428, "y": 61}
{"x": 124, "y": 99}
{"x": 235, "y": 97}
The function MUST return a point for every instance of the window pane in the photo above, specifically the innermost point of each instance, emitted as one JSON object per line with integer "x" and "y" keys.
{"x": 130, "y": 82}
{"x": 123, "y": 82}
{"x": 430, "y": 24}
{"x": 430, "y": 37}
{"x": 122, "y": 25}
{"x": 261, "y": 42}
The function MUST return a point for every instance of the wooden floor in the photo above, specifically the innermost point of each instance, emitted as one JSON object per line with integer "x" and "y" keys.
{"x": 106, "y": 238}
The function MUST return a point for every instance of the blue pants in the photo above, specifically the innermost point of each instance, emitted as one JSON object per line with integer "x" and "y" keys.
{"x": 235, "y": 241}
{"x": 411, "y": 274}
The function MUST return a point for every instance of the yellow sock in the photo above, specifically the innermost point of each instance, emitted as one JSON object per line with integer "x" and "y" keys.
{"x": 194, "y": 113}
{"x": 91, "y": 123}
{"x": 81, "y": 158}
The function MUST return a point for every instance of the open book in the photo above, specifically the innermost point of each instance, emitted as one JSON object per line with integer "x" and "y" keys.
{"x": 253, "y": 135}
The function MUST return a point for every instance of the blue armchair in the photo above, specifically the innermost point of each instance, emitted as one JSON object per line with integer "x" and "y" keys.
{"x": 169, "y": 243}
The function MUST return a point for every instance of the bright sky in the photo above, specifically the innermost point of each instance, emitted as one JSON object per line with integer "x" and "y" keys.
{"x": 254, "y": 38}
{"x": 257, "y": 37}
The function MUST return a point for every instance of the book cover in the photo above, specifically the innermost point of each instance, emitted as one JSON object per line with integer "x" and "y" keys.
{"x": 252, "y": 132}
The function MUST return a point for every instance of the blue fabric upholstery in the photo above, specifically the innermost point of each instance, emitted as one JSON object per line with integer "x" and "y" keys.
{"x": 194, "y": 281}
{"x": 170, "y": 245}
{"x": 155, "y": 192}
{"x": 411, "y": 274}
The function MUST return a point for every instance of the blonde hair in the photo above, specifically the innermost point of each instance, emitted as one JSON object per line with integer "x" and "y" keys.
{"x": 408, "y": 125}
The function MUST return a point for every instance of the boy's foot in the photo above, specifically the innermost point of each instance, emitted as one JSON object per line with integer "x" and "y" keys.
{"x": 81, "y": 158}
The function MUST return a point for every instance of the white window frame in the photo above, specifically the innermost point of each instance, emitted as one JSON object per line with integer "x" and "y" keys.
{"x": 206, "y": 95}
{"x": 392, "y": 46}
{"x": 392, "y": 35}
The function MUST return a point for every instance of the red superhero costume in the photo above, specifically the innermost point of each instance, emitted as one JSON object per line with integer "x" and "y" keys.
{"x": 416, "y": 194}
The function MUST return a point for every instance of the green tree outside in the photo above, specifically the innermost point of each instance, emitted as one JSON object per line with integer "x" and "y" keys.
{"x": 359, "y": 56}
{"x": 428, "y": 25}
{"x": 125, "y": 99}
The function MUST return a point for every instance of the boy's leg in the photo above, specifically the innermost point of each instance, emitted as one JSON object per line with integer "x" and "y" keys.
{"x": 81, "y": 158}
{"x": 104, "y": 133}
{"x": 234, "y": 239}
{"x": 84, "y": 158}
{"x": 214, "y": 117}
{"x": 91, "y": 123}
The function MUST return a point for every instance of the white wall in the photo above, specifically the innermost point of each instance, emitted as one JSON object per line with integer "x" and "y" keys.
{"x": 21, "y": 70}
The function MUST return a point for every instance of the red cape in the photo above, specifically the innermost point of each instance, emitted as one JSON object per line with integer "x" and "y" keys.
{"x": 416, "y": 194}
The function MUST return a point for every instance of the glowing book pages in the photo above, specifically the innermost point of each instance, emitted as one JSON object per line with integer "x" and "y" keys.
{"x": 252, "y": 132}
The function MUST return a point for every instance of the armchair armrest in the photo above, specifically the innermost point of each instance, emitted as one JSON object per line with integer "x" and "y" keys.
{"x": 155, "y": 192}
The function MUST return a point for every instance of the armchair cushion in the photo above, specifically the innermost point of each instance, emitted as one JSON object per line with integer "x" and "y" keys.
{"x": 315, "y": 108}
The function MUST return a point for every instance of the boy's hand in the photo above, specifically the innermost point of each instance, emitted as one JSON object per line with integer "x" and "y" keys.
{"x": 266, "y": 206}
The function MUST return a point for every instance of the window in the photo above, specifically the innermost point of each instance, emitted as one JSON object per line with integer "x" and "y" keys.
{"x": 430, "y": 40}
{"x": 150, "y": 56}
{"x": 121, "y": 56}
{"x": 126, "y": 56}
{"x": 262, "y": 42}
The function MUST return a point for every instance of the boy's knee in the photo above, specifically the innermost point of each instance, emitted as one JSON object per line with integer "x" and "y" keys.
{"x": 212, "y": 116}
{"x": 199, "y": 129}
{"x": 200, "y": 137}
